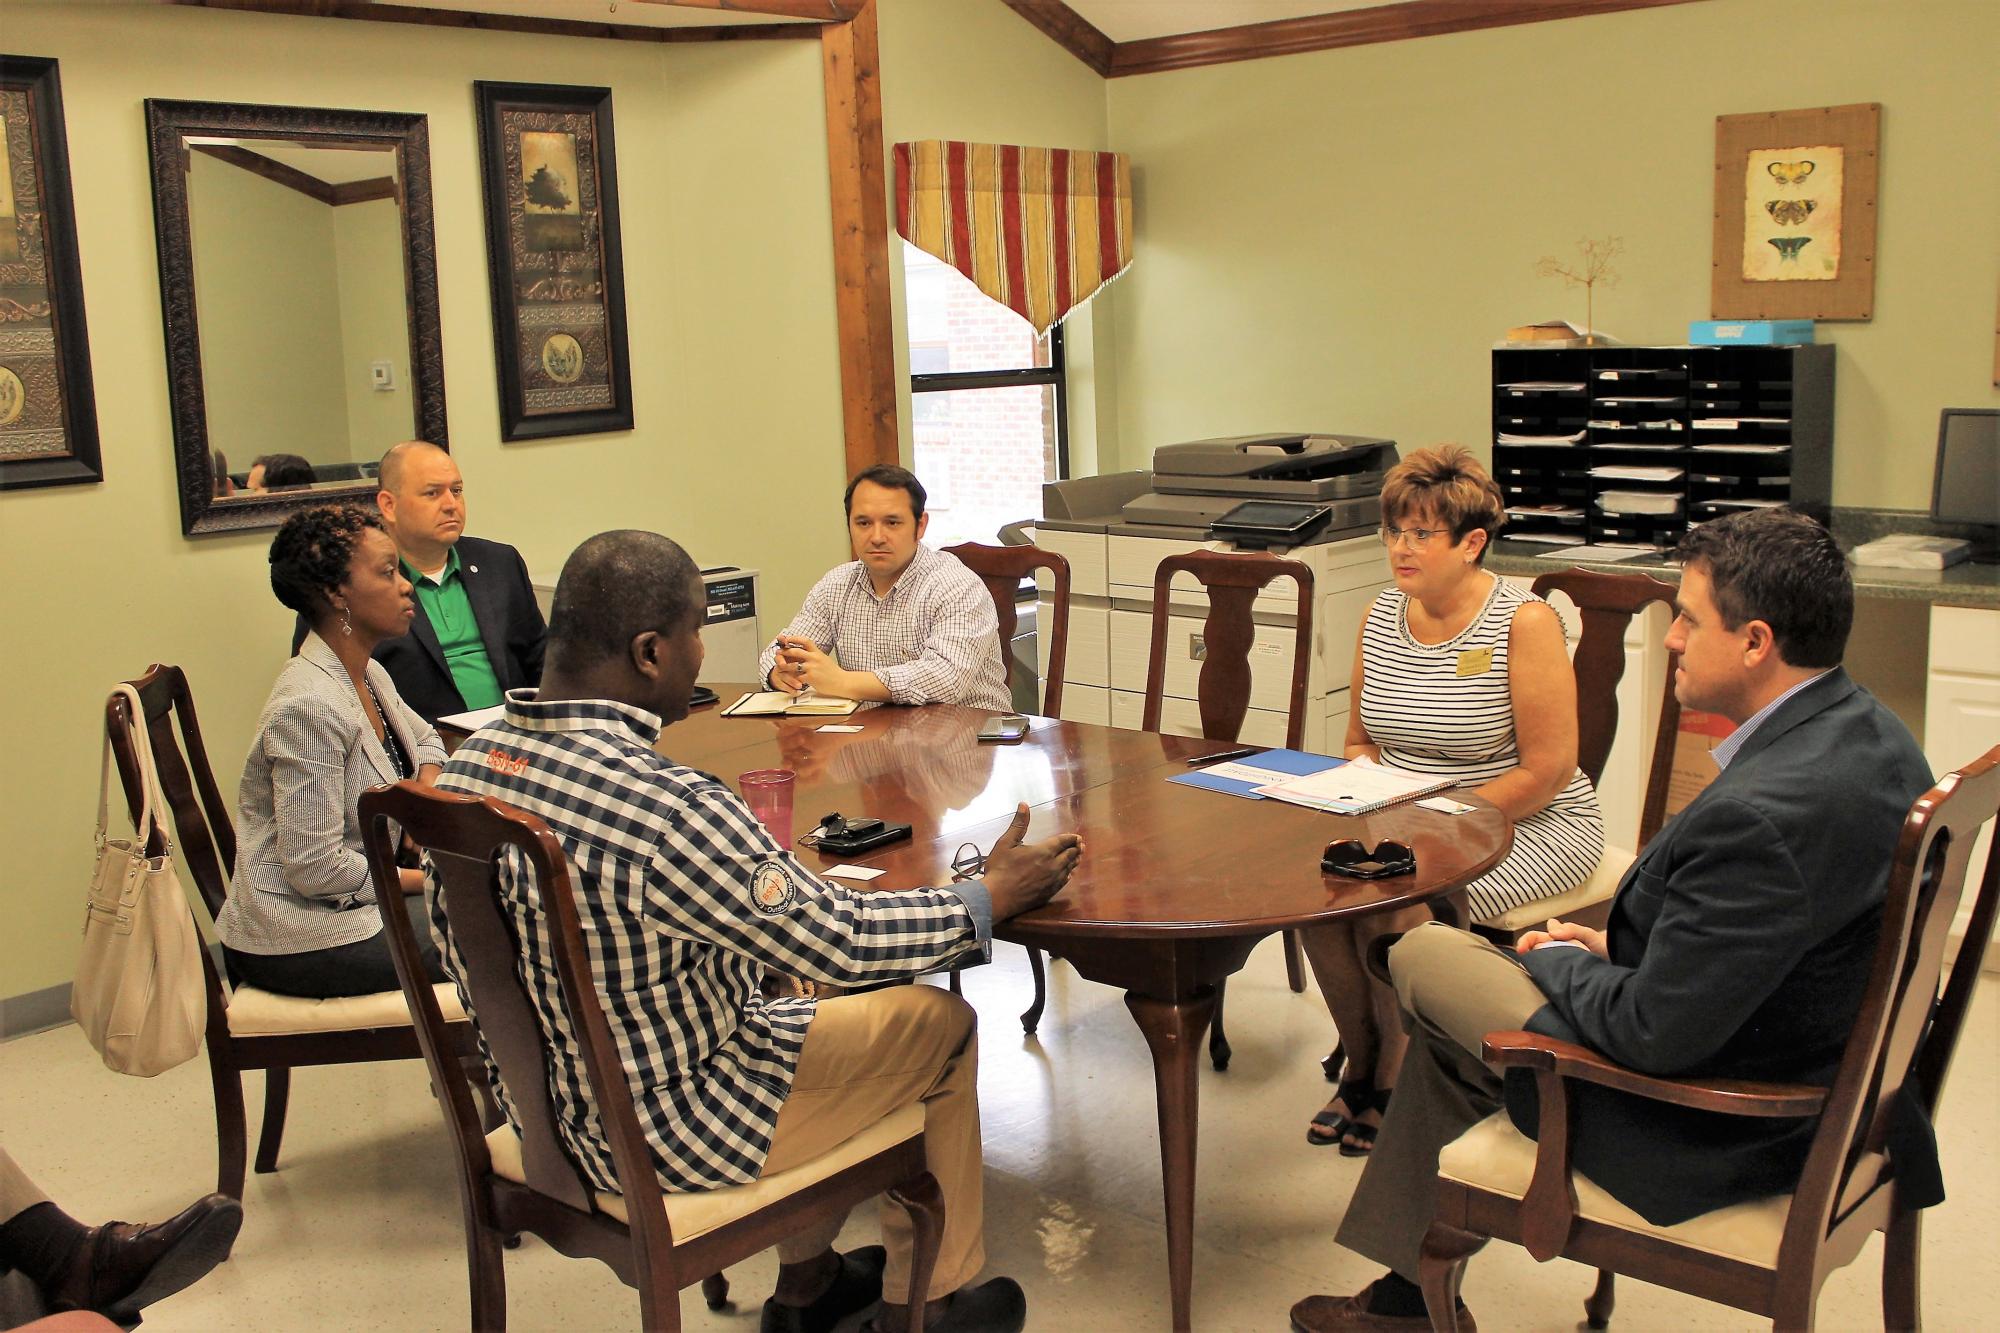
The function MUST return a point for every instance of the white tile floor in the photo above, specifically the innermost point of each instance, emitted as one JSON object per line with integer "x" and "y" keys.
{"x": 359, "y": 1229}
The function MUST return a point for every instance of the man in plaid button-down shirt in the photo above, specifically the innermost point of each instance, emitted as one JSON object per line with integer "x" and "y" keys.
{"x": 900, "y": 623}
{"x": 686, "y": 902}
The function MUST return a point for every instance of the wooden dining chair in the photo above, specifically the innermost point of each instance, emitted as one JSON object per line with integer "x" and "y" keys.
{"x": 519, "y": 1178}
{"x": 247, "y": 1028}
{"x": 1001, "y": 569}
{"x": 1768, "y": 1256}
{"x": 1606, "y": 604}
{"x": 1222, "y": 689}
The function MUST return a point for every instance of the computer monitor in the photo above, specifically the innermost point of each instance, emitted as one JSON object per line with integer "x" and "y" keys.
{"x": 1966, "y": 487}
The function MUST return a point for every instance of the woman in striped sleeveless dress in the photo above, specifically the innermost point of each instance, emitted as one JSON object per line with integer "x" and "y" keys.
{"x": 1458, "y": 673}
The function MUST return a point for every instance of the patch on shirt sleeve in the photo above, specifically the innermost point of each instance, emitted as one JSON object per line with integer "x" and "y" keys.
{"x": 773, "y": 888}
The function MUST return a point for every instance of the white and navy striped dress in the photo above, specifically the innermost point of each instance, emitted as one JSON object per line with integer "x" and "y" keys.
{"x": 1430, "y": 719}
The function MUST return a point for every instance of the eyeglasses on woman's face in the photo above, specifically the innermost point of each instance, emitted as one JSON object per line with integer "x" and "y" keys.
{"x": 1420, "y": 538}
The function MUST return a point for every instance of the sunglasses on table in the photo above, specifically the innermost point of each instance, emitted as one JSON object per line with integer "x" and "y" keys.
{"x": 1352, "y": 858}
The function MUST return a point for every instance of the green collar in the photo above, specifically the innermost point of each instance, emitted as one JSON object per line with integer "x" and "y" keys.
{"x": 445, "y": 575}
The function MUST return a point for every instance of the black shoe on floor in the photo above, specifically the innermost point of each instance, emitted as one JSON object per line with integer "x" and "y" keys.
{"x": 856, "y": 1286}
{"x": 121, "y": 1268}
{"x": 997, "y": 1305}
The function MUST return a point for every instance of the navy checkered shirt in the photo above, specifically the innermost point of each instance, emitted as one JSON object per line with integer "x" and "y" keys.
{"x": 685, "y": 901}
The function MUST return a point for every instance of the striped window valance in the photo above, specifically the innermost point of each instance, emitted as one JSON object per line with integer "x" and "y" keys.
{"x": 1037, "y": 229}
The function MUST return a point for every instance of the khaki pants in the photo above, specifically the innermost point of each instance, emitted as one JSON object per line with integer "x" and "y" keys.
{"x": 1454, "y": 988}
{"x": 17, "y": 1193}
{"x": 865, "y": 1056}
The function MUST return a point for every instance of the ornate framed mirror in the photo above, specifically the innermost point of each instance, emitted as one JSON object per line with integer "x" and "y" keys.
{"x": 298, "y": 290}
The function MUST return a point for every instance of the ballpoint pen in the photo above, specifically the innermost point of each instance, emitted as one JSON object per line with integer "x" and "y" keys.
{"x": 1220, "y": 755}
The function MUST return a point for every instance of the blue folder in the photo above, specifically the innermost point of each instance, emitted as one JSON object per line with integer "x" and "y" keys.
{"x": 1291, "y": 763}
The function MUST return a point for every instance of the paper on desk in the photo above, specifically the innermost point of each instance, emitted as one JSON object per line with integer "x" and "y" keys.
{"x": 862, "y": 873}
{"x": 1245, "y": 773}
{"x": 474, "y": 720}
{"x": 834, "y": 726}
{"x": 1242, "y": 779}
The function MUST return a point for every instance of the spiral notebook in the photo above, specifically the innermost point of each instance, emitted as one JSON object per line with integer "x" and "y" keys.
{"x": 1356, "y": 787}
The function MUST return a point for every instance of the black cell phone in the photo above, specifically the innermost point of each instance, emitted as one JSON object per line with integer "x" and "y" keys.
{"x": 1005, "y": 727}
{"x": 861, "y": 835}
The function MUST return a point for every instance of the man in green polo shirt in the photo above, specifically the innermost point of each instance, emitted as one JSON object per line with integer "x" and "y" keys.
{"x": 478, "y": 632}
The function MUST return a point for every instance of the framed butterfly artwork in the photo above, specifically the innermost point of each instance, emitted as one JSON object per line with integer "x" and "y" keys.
{"x": 1795, "y": 214}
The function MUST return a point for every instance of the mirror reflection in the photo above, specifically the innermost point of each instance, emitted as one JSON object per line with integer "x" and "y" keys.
{"x": 299, "y": 286}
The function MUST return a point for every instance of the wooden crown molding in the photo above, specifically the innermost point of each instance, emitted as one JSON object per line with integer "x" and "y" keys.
{"x": 348, "y": 192}
{"x": 1069, "y": 30}
{"x": 1284, "y": 37}
{"x": 482, "y": 22}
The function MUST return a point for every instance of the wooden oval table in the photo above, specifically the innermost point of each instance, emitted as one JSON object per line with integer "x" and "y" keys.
{"x": 1176, "y": 887}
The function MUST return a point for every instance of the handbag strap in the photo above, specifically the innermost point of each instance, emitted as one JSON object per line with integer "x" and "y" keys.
{"x": 149, "y": 777}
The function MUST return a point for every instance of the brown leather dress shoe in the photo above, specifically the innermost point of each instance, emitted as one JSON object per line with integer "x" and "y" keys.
{"x": 1349, "y": 1314}
{"x": 121, "y": 1268}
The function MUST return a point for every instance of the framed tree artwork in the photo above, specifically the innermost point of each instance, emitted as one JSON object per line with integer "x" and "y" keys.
{"x": 557, "y": 267}
{"x": 1795, "y": 214}
{"x": 48, "y": 412}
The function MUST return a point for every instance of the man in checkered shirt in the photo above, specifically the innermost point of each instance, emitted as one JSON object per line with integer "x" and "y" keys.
{"x": 900, "y": 623}
{"x": 686, "y": 902}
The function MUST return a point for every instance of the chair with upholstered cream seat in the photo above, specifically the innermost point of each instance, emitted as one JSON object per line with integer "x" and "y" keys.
{"x": 511, "y": 1182}
{"x": 1768, "y": 1256}
{"x": 247, "y": 1028}
{"x": 1222, "y": 687}
{"x": 1605, "y": 604}
{"x": 1001, "y": 569}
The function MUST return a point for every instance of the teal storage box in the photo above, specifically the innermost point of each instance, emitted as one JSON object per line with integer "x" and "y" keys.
{"x": 1750, "y": 332}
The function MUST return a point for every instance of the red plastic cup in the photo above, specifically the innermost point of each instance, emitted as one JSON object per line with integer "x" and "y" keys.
{"x": 768, "y": 793}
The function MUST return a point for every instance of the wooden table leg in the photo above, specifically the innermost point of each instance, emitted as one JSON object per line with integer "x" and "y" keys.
{"x": 1173, "y": 1029}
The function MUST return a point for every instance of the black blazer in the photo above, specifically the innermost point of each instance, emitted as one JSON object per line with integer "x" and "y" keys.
{"x": 510, "y": 624}
{"x": 1740, "y": 943}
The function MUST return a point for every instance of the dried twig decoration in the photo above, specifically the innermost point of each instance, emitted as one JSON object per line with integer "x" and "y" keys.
{"x": 1593, "y": 269}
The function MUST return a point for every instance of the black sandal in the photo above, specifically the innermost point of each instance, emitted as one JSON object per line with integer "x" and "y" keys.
{"x": 1359, "y": 1094}
{"x": 1364, "y": 1135}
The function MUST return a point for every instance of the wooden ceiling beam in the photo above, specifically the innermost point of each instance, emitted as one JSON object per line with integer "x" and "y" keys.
{"x": 1068, "y": 29}
{"x": 822, "y": 11}
{"x": 851, "y": 64}
{"x": 1353, "y": 27}
{"x": 477, "y": 21}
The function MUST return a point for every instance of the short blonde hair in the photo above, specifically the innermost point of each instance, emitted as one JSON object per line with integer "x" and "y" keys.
{"x": 1448, "y": 482}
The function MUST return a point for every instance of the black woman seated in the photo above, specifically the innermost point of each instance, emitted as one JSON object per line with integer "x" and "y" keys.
{"x": 302, "y": 917}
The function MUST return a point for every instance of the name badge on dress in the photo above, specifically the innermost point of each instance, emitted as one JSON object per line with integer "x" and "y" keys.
{"x": 1475, "y": 661}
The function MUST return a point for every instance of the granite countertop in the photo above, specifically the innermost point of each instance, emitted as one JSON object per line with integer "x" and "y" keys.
{"x": 1961, "y": 585}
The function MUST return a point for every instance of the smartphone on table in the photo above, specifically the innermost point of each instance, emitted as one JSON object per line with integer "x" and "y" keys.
{"x": 1005, "y": 727}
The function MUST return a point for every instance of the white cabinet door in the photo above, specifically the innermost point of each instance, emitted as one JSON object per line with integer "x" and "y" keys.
{"x": 1962, "y": 713}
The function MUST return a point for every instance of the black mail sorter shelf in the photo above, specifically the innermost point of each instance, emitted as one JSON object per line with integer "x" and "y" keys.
{"x": 1632, "y": 444}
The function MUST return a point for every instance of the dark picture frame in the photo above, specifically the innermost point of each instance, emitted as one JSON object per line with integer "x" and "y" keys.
{"x": 169, "y": 127}
{"x": 48, "y": 407}
{"x": 553, "y": 251}
{"x": 1799, "y": 206}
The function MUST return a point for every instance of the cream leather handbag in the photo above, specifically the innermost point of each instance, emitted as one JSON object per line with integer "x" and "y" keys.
{"x": 138, "y": 990}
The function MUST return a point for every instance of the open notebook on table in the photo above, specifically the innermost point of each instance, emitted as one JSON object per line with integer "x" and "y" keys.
{"x": 1356, "y": 787}
{"x": 776, "y": 703}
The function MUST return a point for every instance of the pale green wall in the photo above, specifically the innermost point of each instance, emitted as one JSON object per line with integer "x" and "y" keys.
{"x": 729, "y": 284}
{"x": 267, "y": 289}
{"x": 1333, "y": 241}
{"x": 374, "y": 324}
{"x": 975, "y": 70}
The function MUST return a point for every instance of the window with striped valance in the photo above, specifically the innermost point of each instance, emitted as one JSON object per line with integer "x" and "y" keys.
{"x": 1037, "y": 229}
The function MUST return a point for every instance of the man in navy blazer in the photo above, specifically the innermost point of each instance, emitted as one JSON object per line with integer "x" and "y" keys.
{"x": 478, "y": 631}
{"x": 1739, "y": 942}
